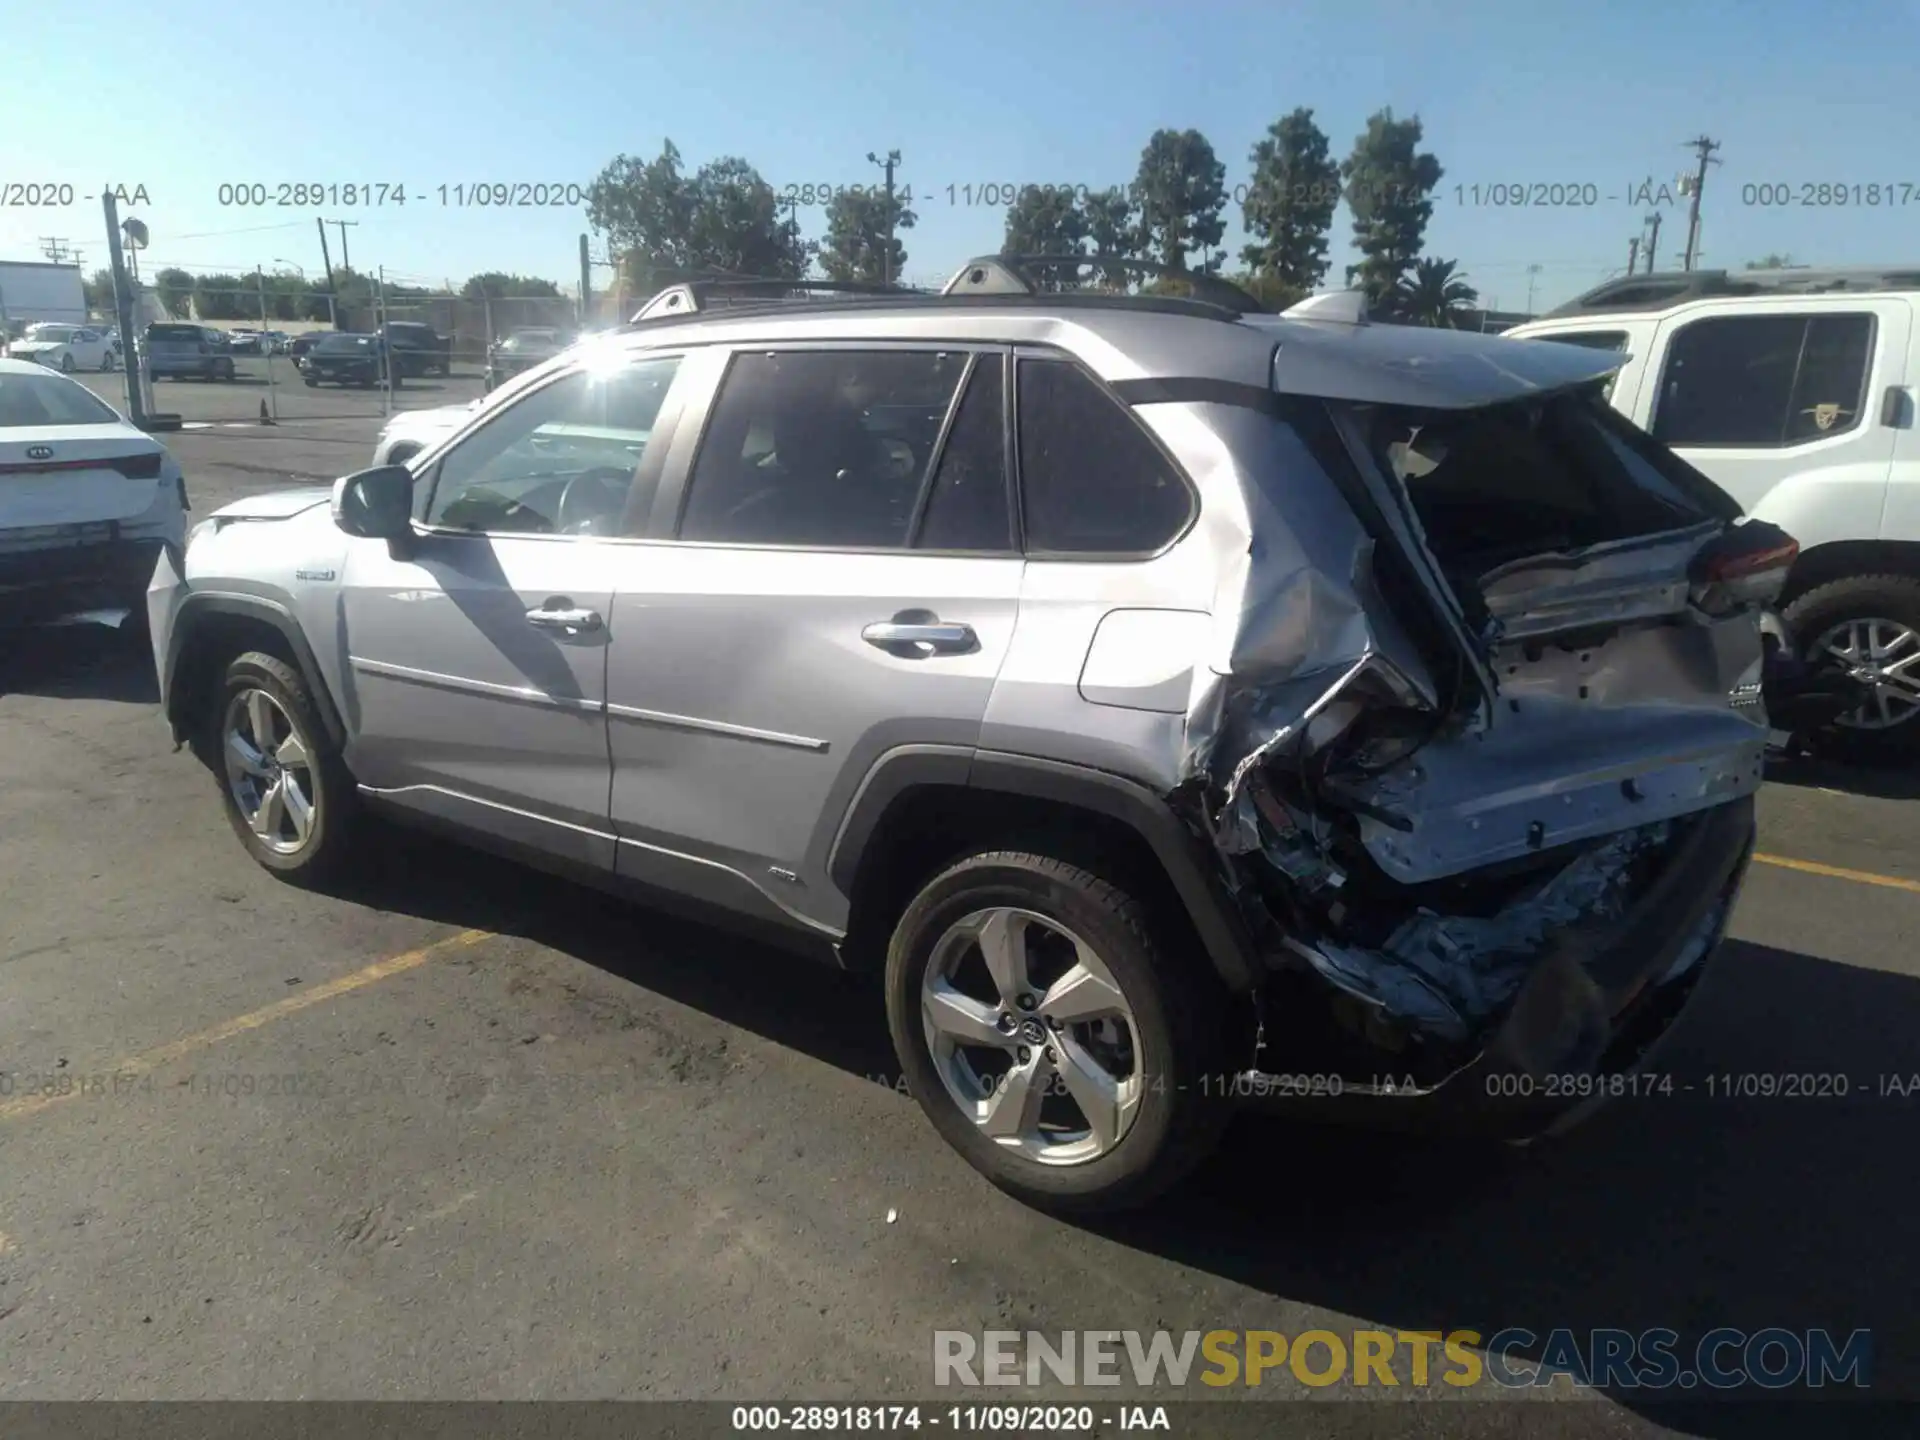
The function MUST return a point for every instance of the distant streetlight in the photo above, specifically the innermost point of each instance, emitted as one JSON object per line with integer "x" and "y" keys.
{"x": 299, "y": 269}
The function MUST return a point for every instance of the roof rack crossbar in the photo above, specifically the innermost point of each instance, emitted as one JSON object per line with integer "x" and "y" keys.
{"x": 700, "y": 293}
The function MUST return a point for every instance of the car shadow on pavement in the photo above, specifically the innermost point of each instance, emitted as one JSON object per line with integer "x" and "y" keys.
{"x": 1687, "y": 1210}
{"x": 1878, "y": 783}
{"x": 78, "y": 662}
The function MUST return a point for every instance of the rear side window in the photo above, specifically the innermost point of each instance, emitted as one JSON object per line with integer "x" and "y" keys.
{"x": 824, "y": 448}
{"x": 1091, "y": 480}
{"x": 1764, "y": 381}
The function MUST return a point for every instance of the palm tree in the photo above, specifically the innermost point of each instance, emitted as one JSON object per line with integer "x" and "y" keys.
{"x": 1433, "y": 294}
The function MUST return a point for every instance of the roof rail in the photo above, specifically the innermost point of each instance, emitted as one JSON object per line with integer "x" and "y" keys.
{"x": 1017, "y": 275}
{"x": 708, "y": 292}
{"x": 1664, "y": 289}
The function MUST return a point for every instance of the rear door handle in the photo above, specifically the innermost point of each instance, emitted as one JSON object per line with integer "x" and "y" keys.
{"x": 928, "y": 638}
{"x": 562, "y": 614}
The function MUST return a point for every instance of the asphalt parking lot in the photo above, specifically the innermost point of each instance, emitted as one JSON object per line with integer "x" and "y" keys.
{"x": 274, "y": 382}
{"x": 462, "y": 1131}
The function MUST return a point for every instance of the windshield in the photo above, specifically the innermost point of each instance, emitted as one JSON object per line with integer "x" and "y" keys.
{"x": 532, "y": 340}
{"x": 60, "y": 333}
{"x": 190, "y": 334}
{"x": 31, "y": 400}
{"x": 344, "y": 344}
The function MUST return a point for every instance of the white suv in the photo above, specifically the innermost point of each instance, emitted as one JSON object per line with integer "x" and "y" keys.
{"x": 1794, "y": 391}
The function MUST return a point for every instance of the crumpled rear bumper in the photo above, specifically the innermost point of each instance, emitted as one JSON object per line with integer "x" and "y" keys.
{"x": 1586, "y": 1022}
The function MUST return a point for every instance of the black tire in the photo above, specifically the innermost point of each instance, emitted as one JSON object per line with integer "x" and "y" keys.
{"x": 1177, "y": 1012}
{"x": 66, "y": 363}
{"x": 335, "y": 813}
{"x": 1859, "y": 597}
{"x": 312, "y": 384}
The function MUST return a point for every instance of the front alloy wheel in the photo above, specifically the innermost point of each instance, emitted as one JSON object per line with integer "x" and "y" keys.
{"x": 284, "y": 788}
{"x": 269, "y": 771}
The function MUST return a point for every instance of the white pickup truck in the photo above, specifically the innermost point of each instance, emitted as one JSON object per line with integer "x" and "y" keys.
{"x": 1794, "y": 390}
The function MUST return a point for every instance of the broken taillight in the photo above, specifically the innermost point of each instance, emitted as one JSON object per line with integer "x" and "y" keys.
{"x": 1746, "y": 564}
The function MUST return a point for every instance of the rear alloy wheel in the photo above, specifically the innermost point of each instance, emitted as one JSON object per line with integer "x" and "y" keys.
{"x": 1049, "y": 1037}
{"x": 66, "y": 363}
{"x": 225, "y": 370}
{"x": 1870, "y": 624}
{"x": 286, "y": 793}
{"x": 106, "y": 362}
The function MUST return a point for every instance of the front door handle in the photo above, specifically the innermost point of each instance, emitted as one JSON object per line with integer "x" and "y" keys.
{"x": 927, "y": 638}
{"x": 562, "y": 614}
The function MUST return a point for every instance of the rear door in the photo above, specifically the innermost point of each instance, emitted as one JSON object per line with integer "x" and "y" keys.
{"x": 841, "y": 579}
{"x": 1784, "y": 405}
{"x": 478, "y": 662}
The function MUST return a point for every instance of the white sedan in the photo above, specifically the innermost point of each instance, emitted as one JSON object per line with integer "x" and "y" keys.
{"x": 66, "y": 347}
{"x": 87, "y": 502}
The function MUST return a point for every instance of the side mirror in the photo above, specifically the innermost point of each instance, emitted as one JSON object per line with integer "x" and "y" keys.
{"x": 377, "y": 504}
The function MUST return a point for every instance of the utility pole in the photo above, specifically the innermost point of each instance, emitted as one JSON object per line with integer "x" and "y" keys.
{"x": 54, "y": 247}
{"x": 1532, "y": 271}
{"x": 586, "y": 284}
{"x": 1653, "y": 239}
{"x": 1704, "y": 148}
{"x": 133, "y": 362}
{"x": 346, "y": 262}
{"x": 886, "y": 258}
{"x": 1633, "y": 256}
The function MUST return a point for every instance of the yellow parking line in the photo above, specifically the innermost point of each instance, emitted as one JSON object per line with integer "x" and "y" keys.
{"x": 152, "y": 1059}
{"x": 1840, "y": 872}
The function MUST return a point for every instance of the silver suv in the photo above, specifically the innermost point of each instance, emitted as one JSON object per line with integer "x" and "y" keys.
{"x": 1178, "y": 705}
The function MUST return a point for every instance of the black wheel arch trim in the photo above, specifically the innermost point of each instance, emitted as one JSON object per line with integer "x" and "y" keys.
{"x": 199, "y": 605}
{"x": 1217, "y": 923}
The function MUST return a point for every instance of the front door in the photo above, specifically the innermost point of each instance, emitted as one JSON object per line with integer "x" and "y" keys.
{"x": 843, "y": 580}
{"x": 479, "y": 662}
{"x": 1784, "y": 407}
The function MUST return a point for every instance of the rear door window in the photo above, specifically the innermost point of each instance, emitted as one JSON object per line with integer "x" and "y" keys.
{"x": 1092, "y": 482}
{"x": 1764, "y": 381}
{"x": 827, "y": 449}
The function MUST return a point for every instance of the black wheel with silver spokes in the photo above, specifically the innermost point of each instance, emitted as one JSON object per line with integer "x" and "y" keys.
{"x": 282, "y": 783}
{"x": 1871, "y": 625}
{"x": 1049, "y": 1034}
{"x": 1883, "y": 655}
{"x": 1032, "y": 1037}
{"x": 269, "y": 771}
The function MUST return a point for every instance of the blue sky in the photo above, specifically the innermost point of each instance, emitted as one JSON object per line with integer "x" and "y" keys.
{"x": 188, "y": 96}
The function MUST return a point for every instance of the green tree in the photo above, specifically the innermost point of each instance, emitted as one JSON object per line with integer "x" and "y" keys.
{"x": 1389, "y": 188}
{"x": 1771, "y": 261}
{"x": 857, "y": 246}
{"x": 99, "y": 292}
{"x": 734, "y": 224}
{"x": 499, "y": 285}
{"x": 668, "y": 225}
{"x": 1046, "y": 220}
{"x": 1113, "y": 225}
{"x": 1434, "y": 293}
{"x": 1289, "y": 206}
{"x": 174, "y": 288}
{"x": 645, "y": 210}
{"x": 217, "y": 297}
{"x": 1181, "y": 190}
